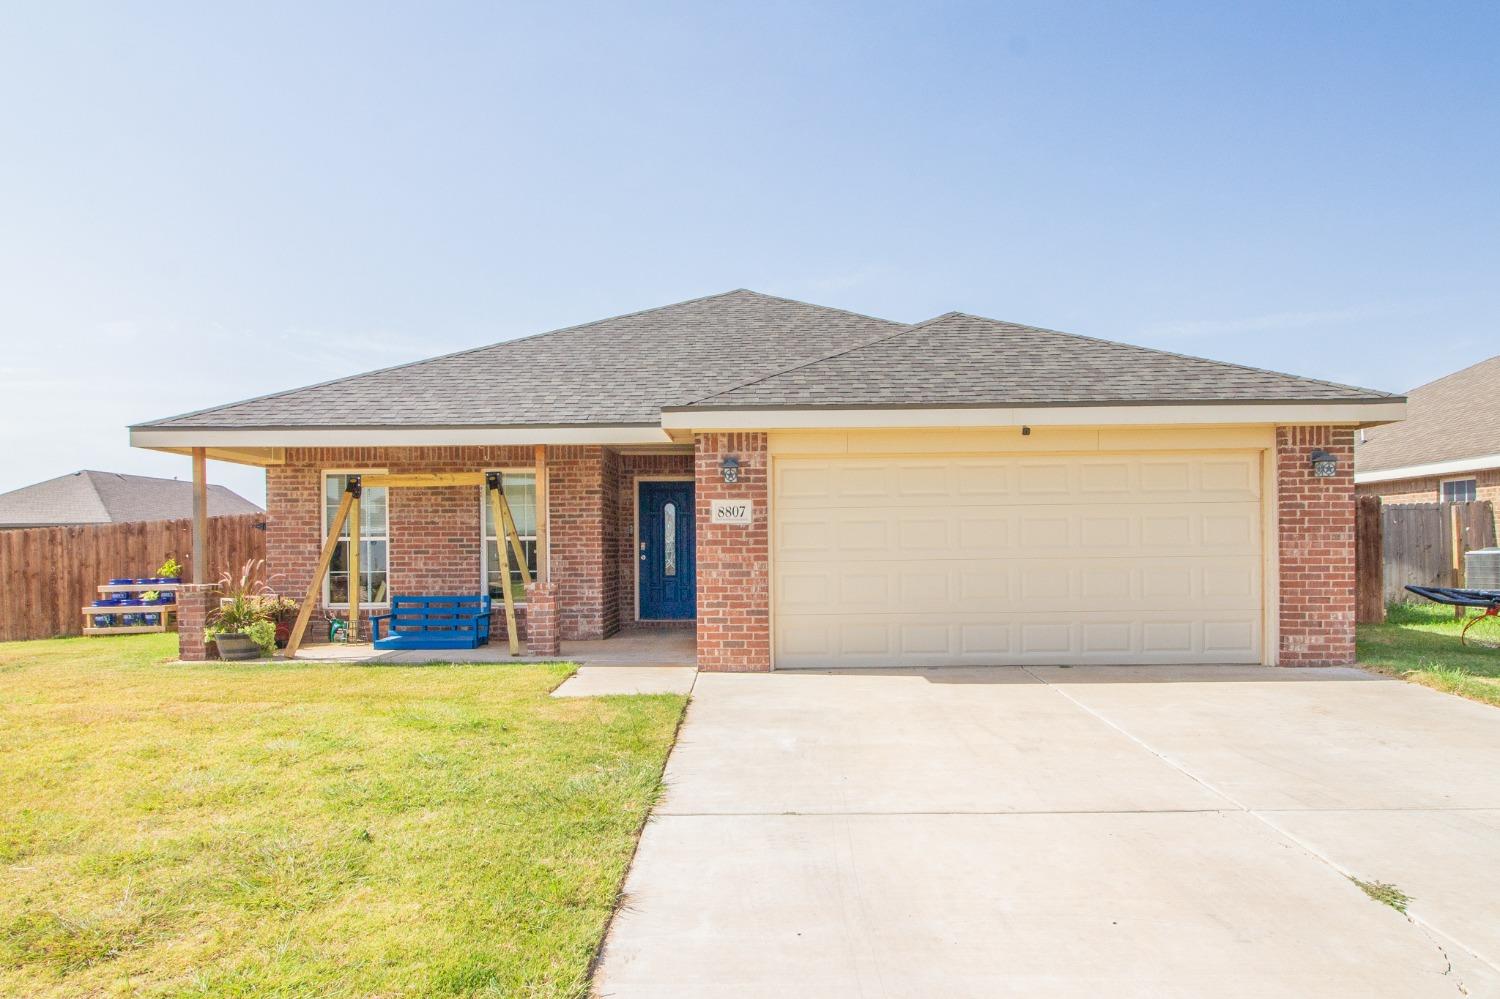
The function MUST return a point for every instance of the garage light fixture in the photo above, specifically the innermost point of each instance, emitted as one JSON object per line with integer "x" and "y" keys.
{"x": 1323, "y": 463}
{"x": 729, "y": 468}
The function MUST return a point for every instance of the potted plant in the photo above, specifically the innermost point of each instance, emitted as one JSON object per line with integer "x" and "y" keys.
{"x": 281, "y": 612}
{"x": 170, "y": 571}
{"x": 240, "y": 626}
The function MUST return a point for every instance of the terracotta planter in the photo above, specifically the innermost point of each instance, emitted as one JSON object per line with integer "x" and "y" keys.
{"x": 236, "y": 647}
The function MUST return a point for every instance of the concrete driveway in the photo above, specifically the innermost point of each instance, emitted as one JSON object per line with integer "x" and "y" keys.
{"x": 1100, "y": 832}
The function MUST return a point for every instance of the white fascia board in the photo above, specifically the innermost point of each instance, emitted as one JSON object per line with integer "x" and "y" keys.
{"x": 1365, "y": 413}
{"x": 179, "y": 437}
{"x": 1453, "y": 467}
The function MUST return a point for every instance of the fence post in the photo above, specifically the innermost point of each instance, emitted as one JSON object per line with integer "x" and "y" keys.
{"x": 1369, "y": 562}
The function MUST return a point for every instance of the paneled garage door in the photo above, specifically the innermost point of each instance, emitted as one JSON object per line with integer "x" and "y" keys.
{"x": 1119, "y": 558}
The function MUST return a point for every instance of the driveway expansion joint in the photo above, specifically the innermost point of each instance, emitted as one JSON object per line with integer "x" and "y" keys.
{"x": 1262, "y": 816}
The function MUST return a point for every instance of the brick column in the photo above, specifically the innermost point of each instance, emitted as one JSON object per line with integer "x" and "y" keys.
{"x": 193, "y": 602}
{"x": 734, "y": 578}
{"x": 1315, "y": 536}
{"x": 581, "y": 496}
{"x": 541, "y": 620}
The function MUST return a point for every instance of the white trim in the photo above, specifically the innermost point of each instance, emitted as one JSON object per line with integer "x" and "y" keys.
{"x": 326, "y": 595}
{"x": 635, "y": 542}
{"x": 1367, "y": 413}
{"x": 162, "y": 438}
{"x": 1429, "y": 470}
{"x": 1270, "y": 543}
{"x": 484, "y": 550}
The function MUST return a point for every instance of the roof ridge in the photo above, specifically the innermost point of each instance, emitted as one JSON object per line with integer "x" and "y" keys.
{"x": 827, "y": 357}
{"x": 98, "y": 497}
{"x": 439, "y": 357}
{"x": 1178, "y": 354}
{"x": 815, "y": 305}
{"x": 1455, "y": 374}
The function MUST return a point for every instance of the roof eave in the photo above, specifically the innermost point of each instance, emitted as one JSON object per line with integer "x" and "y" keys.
{"x": 1451, "y": 466}
{"x": 1352, "y": 412}
{"x": 266, "y": 445}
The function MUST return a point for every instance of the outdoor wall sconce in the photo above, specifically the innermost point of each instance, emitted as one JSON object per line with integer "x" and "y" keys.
{"x": 729, "y": 468}
{"x": 1323, "y": 464}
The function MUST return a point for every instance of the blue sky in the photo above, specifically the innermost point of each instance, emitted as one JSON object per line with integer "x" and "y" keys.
{"x": 199, "y": 204}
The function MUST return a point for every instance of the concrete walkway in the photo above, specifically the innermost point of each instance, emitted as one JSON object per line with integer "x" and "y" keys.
{"x": 1115, "y": 832}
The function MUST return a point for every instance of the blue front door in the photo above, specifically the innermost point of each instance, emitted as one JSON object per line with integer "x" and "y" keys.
{"x": 668, "y": 563}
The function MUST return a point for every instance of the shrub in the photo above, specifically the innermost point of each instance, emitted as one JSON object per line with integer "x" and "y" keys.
{"x": 263, "y": 633}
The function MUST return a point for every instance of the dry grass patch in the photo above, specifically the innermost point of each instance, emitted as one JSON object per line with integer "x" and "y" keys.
{"x": 309, "y": 830}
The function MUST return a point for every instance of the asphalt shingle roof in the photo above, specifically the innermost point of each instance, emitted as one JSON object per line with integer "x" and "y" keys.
{"x": 745, "y": 349}
{"x": 1457, "y": 416}
{"x": 964, "y": 360}
{"x": 614, "y": 371}
{"x": 90, "y": 497}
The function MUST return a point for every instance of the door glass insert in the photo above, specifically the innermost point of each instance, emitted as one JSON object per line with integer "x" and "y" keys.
{"x": 669, "y": 539}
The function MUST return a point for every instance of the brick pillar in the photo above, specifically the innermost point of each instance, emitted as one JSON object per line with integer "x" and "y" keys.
{"x": 734, "y": 578}
{"x": 193, "y": 602}
{"x": 1315, "y": 536}
{"x": 541, "y": 620}
{"x": 581, "y": 497}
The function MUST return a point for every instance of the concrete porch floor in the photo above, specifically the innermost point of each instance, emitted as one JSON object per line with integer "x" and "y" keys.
{"x": 628, "y": 647}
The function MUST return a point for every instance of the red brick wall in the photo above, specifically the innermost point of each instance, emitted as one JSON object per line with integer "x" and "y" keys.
{"x": 582, "y": 496}
{"x": 434, "y": 533}
{"x": 734, "y": 581}
{"x": 632, "y": 468}
{"x": 541, "y": 621}
{"x": 193, "y": 603}
{"x": 1315, "y": 524}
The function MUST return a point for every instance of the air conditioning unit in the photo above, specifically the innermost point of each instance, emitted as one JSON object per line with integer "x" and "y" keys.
{"x": 1482, "y": 569}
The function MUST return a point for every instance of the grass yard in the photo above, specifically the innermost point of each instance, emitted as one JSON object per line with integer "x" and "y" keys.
{"x": 309, "y": 830}
{"x": 1420, "y": 643}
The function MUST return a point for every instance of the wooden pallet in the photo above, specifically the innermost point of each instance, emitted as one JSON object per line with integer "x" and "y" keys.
{"x": 164, "y": 612}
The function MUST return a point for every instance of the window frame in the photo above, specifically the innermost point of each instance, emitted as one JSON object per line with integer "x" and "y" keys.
{"x": 327, "y": 594}
{"x": 1443, "y": 493}
{"x": 484, "y": 538}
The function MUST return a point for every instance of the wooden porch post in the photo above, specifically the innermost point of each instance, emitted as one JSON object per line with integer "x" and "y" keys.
{"x": 200, "y": 515}
{"x": 543, "y": 542}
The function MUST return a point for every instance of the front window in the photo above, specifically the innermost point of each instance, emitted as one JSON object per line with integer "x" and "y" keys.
{"x": 374, "y": 542}
{"x": 520, "y": 493}
{"x": 1459, "y": 490}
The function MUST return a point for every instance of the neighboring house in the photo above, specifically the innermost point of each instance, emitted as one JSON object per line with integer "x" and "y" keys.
{"x": 90, "y": 497}
{"x": 1447, "y": 448}
{"x": 816, "y": 488}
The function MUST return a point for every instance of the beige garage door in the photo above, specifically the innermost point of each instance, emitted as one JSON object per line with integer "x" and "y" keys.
{"x": 1122, "y": 558}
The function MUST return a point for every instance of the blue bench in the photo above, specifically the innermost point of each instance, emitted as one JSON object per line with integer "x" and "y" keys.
{"x": 443, "y": 622}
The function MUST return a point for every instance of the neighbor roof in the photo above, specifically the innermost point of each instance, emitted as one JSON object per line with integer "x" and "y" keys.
{"x": 744, "y": 349}
{"x": 90, "y": 497}
{"x": 1455, "y": 417}
{"x": 963, "y": 360}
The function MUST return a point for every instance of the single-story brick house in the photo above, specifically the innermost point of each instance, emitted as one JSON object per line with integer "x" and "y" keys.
{"x": 809, "y": 487}
{"x": 1447, "y": 448}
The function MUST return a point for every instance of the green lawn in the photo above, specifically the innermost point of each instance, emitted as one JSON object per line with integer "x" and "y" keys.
{"x": 1420, "y": 642}
{"x": 309, "y": 830}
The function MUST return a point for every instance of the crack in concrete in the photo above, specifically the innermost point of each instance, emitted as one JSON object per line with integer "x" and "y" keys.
{"x": 1425, "y": 929}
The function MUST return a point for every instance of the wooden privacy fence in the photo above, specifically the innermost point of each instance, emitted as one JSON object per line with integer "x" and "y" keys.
{"x": 1421, "y": 544}
{"x": 48, "y": 573}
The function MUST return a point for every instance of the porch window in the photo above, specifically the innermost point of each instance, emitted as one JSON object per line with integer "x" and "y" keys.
{"x": 1460, "y": 490}
{"x": 520, "y": 493}
{"x": 374, "y": 543}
